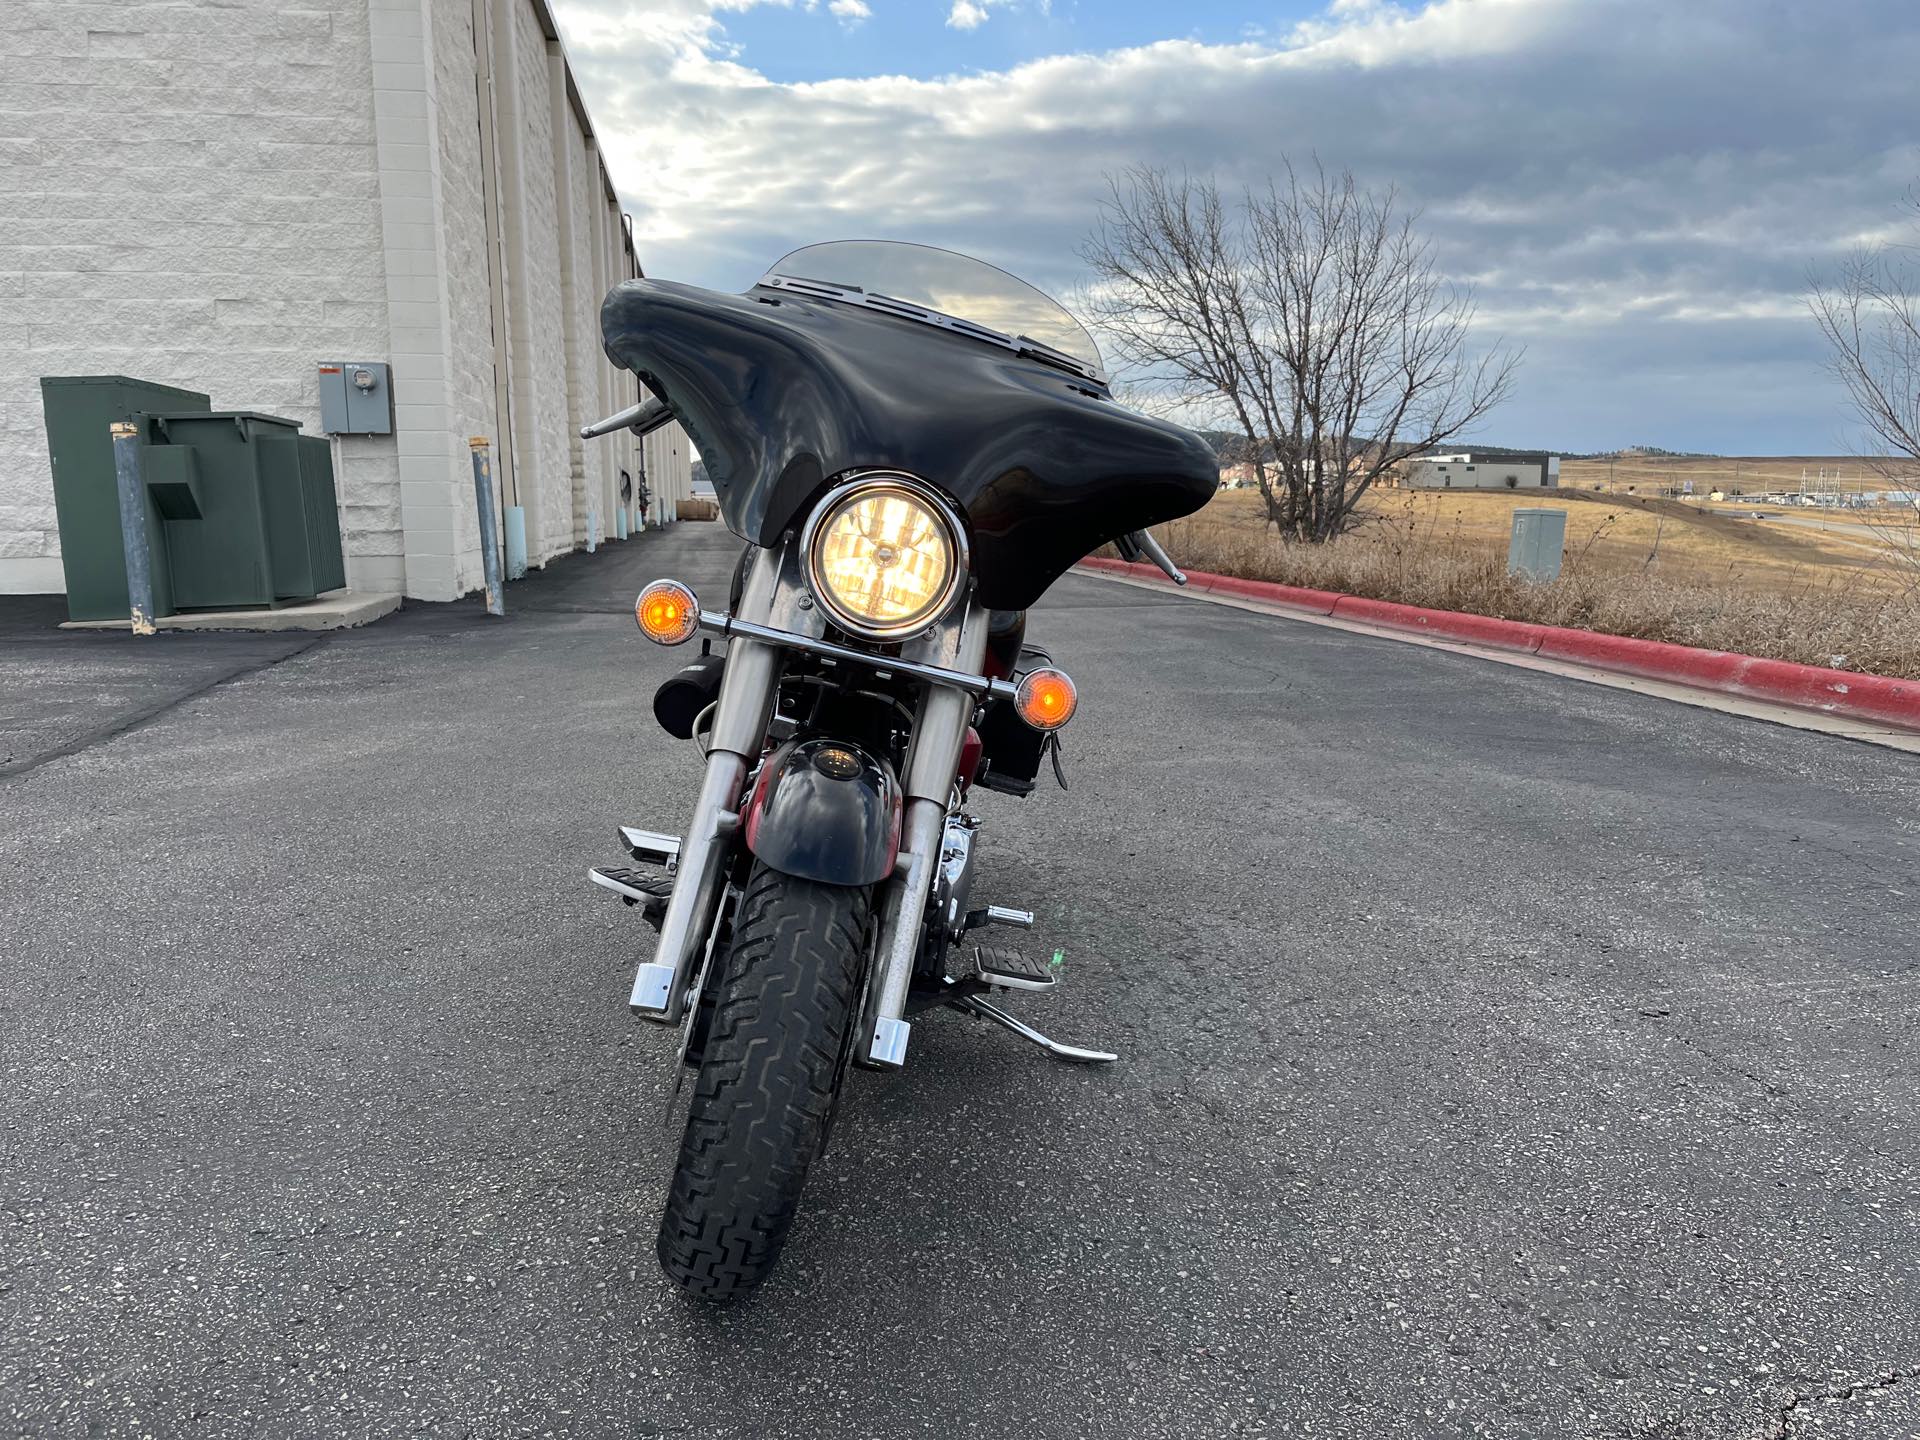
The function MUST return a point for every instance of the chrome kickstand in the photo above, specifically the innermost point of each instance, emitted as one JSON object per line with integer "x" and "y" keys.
{"x": 1073, "y": 1054}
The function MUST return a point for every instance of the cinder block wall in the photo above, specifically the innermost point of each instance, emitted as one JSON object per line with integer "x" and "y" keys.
{"x": 545, "y": 467}
{"x": 221, "y": 195}
{"x": 579, "y": 301}
{"x": 147, "y": 227}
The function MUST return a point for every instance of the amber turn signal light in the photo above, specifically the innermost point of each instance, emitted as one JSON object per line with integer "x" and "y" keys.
{"x": 667, "y": 612}
{"x": 1045, "y": 698}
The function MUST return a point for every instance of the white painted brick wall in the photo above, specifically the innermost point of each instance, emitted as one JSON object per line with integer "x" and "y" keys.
{"x": 220, "y": 194}
{"x": 546, "y": 484}
{"x": 187, "y": 195}
{"x": 426, "y": 456}
{"x": 581, "y": 302}
{"x": 469, "y": 326}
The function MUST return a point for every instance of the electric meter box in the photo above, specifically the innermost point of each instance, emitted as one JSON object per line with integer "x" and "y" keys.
{"x": 356, "y": 397}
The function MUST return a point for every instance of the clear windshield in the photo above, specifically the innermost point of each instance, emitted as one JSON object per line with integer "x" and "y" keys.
{"x": 955, "y": 285}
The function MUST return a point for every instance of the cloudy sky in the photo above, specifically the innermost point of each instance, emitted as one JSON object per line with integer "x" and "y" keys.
{"x": 1636, "y": 188}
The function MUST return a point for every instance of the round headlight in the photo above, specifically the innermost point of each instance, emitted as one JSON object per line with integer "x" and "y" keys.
{"x": 884, "y": 559}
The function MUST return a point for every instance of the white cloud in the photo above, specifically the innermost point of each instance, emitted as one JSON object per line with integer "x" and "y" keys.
{"x": 972, "y": 14}
{"x": 1637, "y": 188}
{"x": 852, "y": 12}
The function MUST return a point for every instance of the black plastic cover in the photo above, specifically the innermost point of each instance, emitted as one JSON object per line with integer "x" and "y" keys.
{"x": 685, "y": 693}
{"x": 783, "y": 393}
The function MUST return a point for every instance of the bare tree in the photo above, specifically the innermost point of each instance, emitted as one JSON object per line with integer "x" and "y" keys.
{"x": 1307, "y": 318}
{"x": 1870, "y": 316}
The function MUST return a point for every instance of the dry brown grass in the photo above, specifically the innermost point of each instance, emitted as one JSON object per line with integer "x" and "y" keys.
{"x": 1626, "y": 535}
{"x": 1683, "y": 582}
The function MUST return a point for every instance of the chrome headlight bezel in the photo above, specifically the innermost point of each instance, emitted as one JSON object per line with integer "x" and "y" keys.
{"x": 860, "y": 487}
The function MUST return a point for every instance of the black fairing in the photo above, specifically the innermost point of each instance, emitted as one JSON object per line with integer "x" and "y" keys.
{"x": 782, "y": 394}
{"x": 825, "y": 811}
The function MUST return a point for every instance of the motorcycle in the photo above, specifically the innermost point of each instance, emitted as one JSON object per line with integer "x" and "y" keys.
{"x": 914, "y": 445}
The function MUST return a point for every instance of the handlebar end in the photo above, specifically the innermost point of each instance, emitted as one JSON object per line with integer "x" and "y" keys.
{"x": 649, "y": 415}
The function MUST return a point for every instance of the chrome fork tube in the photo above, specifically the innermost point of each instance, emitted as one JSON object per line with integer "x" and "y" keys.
{"x": 939, "y": 730}
{"x": 658, "y": 987}
{"x": 739, "y": 729}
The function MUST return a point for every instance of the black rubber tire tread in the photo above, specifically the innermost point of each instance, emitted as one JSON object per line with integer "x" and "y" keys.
{"x": 765, "y": 1092}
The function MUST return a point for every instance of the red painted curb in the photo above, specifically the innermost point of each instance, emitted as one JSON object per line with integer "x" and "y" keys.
{"x": 1709, "y": 669}
{"x": 1805, "y": 687}
{"x": 1317, "y": 602}
{"x": 1454, "y": 624}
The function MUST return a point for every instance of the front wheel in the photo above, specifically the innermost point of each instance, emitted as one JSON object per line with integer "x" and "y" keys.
{"x": 771, "y": 1063}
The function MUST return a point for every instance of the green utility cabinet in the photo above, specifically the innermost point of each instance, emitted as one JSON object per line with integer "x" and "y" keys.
{"x": 241, "y": 509}
{"x": 266, "y": 529}
{"x": 1539, "y": 542}
{"x": 86, "y": 500}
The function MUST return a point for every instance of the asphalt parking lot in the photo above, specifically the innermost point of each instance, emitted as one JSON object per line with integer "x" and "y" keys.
{"x": 1501, "y": 1055}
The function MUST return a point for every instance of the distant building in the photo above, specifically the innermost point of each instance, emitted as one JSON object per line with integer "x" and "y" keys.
{"x": 1479, "y": 471}
{"x": 1238, "y": 477}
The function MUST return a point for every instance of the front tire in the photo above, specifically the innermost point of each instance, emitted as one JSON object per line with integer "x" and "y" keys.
{"x": 770, "y": 1067}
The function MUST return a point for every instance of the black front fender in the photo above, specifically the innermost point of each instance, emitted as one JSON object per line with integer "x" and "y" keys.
{"x": 825, "y": 811}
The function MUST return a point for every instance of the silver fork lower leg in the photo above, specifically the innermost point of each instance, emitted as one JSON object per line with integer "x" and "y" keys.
{"x": 906, "y": 902}
{"x": 658, "y": 986}
{"x": 939, "y": 729}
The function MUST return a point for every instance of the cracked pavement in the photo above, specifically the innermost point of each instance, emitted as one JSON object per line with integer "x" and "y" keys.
{"x": 1501, "y": 1055}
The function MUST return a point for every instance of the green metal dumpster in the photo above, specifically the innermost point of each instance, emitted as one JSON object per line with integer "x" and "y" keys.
{"x": 79, "y": 408}
{"x": 241, "y": 509}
